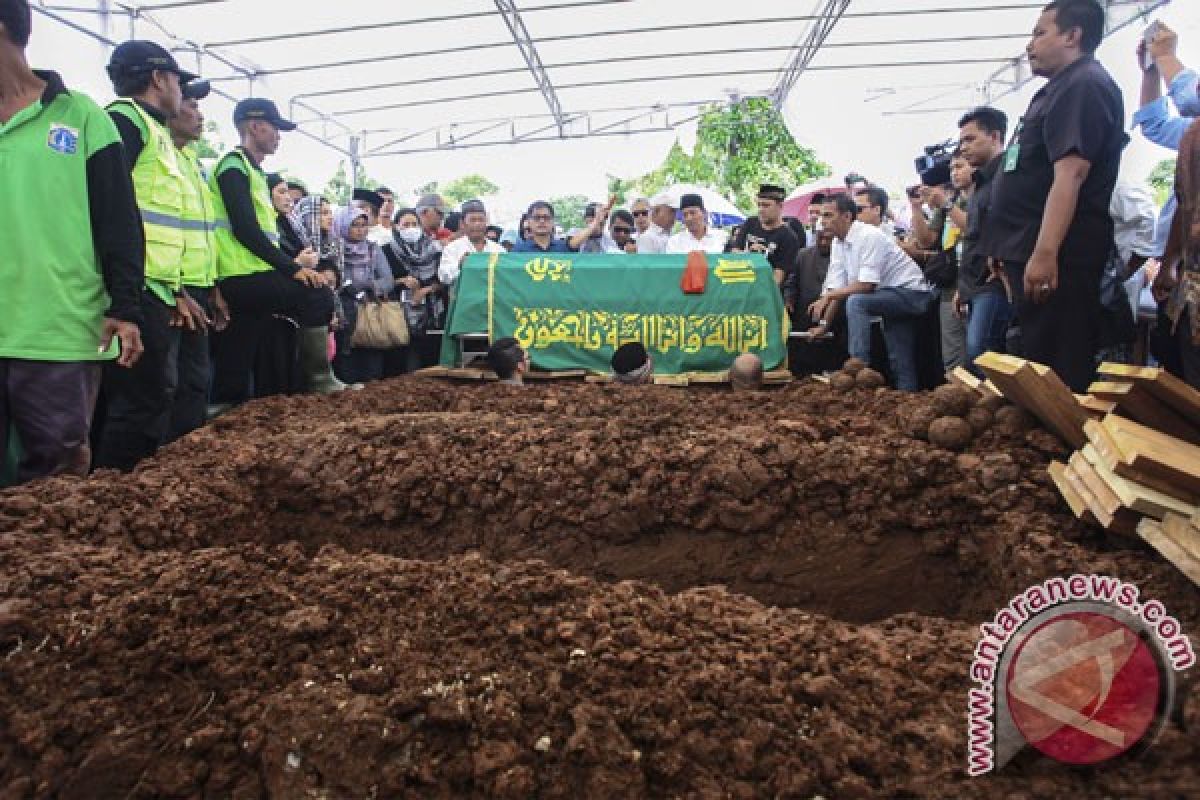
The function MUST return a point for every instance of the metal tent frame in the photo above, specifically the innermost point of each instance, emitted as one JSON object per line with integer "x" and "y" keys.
{"x": 353, "y": 129}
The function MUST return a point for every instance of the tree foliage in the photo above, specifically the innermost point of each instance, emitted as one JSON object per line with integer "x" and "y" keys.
{"x": 737, "y": 149}
{"x": 339, "y": 188}
{"x": 209, "y": 146}
{"x": 468, "y": 187}
{"x": 568, "y": 210}
{"x": 1162, "y": 178}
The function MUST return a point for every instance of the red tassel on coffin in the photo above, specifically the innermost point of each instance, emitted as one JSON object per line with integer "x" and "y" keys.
{"x": 695, "y": 274}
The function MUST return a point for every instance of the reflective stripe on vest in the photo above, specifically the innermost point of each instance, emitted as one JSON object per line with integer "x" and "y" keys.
{"x": 158, "y": 183}
{"x": 233, "y": 259}
{"x": 199, "y": 264}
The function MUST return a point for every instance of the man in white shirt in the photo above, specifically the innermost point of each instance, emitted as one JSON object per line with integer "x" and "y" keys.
{"x": 875, "y": 278}
{"x": 653, "y": 241}
{"x": 381, "y": 232}
{"x": 474, "y": 240}
{"x": 696, "y": 234}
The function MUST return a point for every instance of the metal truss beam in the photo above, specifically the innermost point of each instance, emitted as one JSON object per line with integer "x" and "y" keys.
{"x": 536, "y": 127}
{"x": 1016, "y": 74}
{"x": 652, "y": 78}
{"x": 529, "y": 52}
{"x": 400, "y": 23}
{"x": 552, "y": 138}
{"x": 818, "y": 31}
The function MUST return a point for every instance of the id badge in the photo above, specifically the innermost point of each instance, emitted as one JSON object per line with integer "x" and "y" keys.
{"x": 1012, "y": 157}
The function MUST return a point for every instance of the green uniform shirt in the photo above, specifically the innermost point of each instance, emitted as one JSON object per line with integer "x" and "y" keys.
{"x": 53, "y": 289}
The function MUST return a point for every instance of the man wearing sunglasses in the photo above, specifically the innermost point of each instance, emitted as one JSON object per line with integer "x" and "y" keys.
{"x": 641, "y": 217}
{"x": 623, "y": 230}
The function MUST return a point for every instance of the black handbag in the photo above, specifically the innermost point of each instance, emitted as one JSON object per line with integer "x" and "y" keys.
{"x": 1117, "y": 323}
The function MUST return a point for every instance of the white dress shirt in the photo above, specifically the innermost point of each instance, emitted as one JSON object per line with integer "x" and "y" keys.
{"x": 452, "y": 257}
{"x": 869, "y": 255}
{"x": 684, "y": 242}
{"x": 380, "y": 234}
{"x": 653, "y": 241}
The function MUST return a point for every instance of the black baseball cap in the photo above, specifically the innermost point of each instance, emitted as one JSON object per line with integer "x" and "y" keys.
{"x": 139, "y": 56}
{"x": 253, "y": 108}
{"x": 196, "y": 90}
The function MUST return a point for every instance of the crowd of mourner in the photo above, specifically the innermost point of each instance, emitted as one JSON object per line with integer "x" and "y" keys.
{"x": 146, "y": 293}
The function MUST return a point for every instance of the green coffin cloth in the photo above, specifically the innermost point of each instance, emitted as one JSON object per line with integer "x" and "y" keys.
{"x": 572, "y": 311}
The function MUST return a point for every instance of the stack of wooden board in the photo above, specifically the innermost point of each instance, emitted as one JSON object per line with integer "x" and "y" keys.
{"x": 1136, "y": 466}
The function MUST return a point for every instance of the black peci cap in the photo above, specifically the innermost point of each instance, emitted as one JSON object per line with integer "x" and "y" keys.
{"x": 370, "y": 197}
{"x": 253, "y": 108}
{"x": 691, "y": 201}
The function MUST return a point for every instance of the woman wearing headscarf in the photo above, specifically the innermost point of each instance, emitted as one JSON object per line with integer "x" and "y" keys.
{"x": 314, "y": 216}
{"x": 276, "y": 364}
{"x": 414, "y": 256}
{"x": 292, "y": 237}
{"x": 366, "y": 277}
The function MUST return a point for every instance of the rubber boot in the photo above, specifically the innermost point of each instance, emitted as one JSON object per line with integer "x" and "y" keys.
{"x": 314, "y": 362}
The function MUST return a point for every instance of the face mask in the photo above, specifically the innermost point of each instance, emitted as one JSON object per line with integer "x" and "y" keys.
{"x": 410, "y": 235}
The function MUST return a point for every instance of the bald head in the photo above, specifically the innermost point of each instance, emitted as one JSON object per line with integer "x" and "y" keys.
{"x": 746, "y": 372}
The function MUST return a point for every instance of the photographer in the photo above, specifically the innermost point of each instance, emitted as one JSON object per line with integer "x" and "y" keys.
{"x": 936, "y": 241}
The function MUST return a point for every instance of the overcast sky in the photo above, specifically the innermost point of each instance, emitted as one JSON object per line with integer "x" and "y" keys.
{"x": 838, "y": 108}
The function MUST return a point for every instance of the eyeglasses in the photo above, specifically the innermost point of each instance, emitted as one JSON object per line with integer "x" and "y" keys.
{"x": 641, "y": 213}
{"x": 541, "y": 218}
{"x": 626, "y": 231}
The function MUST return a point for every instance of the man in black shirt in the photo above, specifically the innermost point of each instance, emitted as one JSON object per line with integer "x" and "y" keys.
{"x": 981, "y": 294}
{"x": 1049, "y": 227}
{"x": 768, "y": 234}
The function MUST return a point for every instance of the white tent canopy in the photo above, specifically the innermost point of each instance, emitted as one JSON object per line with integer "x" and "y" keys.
{"x": 385, "y": 81}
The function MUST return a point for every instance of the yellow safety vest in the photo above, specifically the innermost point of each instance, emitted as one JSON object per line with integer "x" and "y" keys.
{"x": 158, "y": 183}
{"x": 233, "y": 259}
{"x": 198, "y": 267}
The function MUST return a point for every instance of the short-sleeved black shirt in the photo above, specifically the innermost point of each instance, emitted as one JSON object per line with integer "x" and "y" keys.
{"x": 779, "y": 245}
{"x": 972, "y": 266}
{"x": 1079, "y": 112}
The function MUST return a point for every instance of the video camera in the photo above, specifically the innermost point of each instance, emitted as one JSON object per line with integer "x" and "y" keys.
{"x": 934, "y": 166}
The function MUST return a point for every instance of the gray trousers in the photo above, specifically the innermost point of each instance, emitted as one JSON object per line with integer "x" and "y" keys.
{"x": 49, "y": 406}
{"x": 954, "y": 333}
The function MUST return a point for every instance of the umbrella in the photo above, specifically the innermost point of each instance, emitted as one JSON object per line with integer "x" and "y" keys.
{"x": 797, "y": 204}
{"x": 721, "y": 212}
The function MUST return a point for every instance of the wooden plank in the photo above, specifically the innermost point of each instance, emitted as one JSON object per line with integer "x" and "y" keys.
{"x": 1039, "y": 391}
{"x": 708, "y": 377}
{"x": 1135, "y": 401}
{"x": 671, "y": 380}
{"x": 1180, "y": 529}
{"x": 961, "y": 376}
{"x": 1108, "y": 500}
{"x": 604, "y": 378}
{"x": 990, "y": 388}
{"x": 1167, "y": 539}
{"x": 432, "y": 372}
{"x": 1094, "y": 406}
{"x": 1158, "y": 455}
{"x": 1058, "y": 474}
{"x": 1122, "y": 522}
{"x": 1177, "y": 394}
{"x": 554, "y": 375}
{"x": 778, "y": 377}
{"x": 1136, "y": 496}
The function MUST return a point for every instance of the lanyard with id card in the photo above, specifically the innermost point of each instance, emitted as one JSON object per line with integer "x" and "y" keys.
{"x": 1012, "y": 155}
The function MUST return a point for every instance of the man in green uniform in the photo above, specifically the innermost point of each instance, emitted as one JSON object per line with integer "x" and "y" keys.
{"x": 137, "y": 402}
{"x": 71, "y": 262}
{"x": 188, "y": 366}
{"x": 254, "y": 276}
